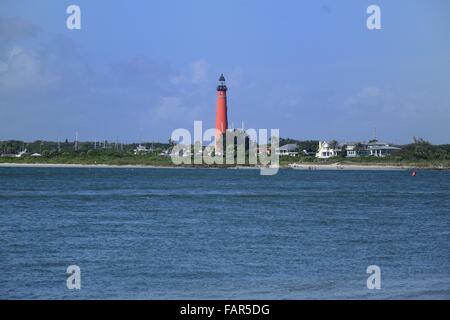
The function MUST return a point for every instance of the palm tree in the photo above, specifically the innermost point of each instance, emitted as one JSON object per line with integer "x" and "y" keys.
{"x": 333, "y": 144}
{"x": 358, "y": 148}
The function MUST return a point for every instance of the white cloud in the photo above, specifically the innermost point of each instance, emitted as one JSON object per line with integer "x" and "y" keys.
{"x": 3, "y": 67}
{"x": 168, "y": 107}
{"x": 236, "y": 78}
{"x": 24, "y": 70}
{"x": 370, "y": 97}
{"x": 196, "y": 73}
{"x": 15, "y": 28}
{"x": 172, "y": 107}
{"x": 199, "y": 71}
{"x": 370, "y": 92}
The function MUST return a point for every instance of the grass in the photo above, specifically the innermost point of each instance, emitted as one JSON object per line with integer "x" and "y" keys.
{"x": 157, "y": 160}
{"x": 150, "y": 160}
{"x": 387, "y": 161}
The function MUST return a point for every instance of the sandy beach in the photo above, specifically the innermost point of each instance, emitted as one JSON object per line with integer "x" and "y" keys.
{"x": 296, "y": 166}
{"x": 74, "y": 165}
{"x": 337, "y": 166}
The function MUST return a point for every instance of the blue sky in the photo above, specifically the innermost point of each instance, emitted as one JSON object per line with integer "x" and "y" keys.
{"x": 139, "y": 69}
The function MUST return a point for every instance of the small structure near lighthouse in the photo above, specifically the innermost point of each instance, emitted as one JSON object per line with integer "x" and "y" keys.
{"x": 221, "y": 114}
{"x": 226, "y": 146}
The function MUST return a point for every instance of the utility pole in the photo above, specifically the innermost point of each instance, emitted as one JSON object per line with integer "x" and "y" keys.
{"x": 76, "y": 141}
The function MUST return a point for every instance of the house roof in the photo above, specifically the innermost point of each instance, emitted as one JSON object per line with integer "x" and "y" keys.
{"x": 383, "y": 147}
{"x": 289, "y": 147}
{"x": 378, "y": 143}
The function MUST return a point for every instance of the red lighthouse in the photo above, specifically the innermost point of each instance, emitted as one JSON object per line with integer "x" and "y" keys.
{"x": 221, "y": 113}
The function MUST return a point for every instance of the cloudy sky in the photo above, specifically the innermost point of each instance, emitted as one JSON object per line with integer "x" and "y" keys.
{"x": 139, "y": 69}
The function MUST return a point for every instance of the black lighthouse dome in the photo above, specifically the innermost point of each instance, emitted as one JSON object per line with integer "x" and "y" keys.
{"x": 221, "y": 86}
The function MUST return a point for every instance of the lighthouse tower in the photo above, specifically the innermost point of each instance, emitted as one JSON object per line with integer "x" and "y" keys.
{"x": 221, "y": 114}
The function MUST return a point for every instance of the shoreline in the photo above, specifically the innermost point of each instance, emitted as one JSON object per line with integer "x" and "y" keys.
{"x": 338, "y": 166}
{"x": 88, "y": 166}
{"x": 295, "y": 166}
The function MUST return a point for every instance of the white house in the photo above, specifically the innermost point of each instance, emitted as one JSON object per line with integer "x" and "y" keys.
{"x": 21, "y": 153}
{"x": 351, "y": 151}
{"x": 325, "y": 151}
{"x": 165, "y": 153}
{"x": 142, "y": 149}
{"x": 374, "y": 148}
{"x": 356, "y": 149}
{"x": 290, "y": 149}
{"x": 380, "y": 149}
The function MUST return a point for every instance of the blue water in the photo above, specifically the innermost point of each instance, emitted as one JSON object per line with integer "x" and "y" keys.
{"x": 225, "y": 234}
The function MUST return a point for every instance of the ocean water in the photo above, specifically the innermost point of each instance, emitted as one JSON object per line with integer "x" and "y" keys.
{"x": 223, "y": 234}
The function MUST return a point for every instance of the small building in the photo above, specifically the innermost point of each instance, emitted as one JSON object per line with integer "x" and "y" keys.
{"x": 263, "y": 149}
{"x": 380, "y": 149}
{"x": 356, "y": 149}
{"x": 142, "y": 150}
{"x": 326, "y": 151}
{"x": 21, "y": 153}
{"x": 308, "y": 153}
{"x": 14, "y": 155}
{"x": 373, "y": 148}
{"x": 351, "y": 151}
{"x": 165, "y": 153}
{"x": 180, "y": 150}
{"x": 290, "y": 149}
